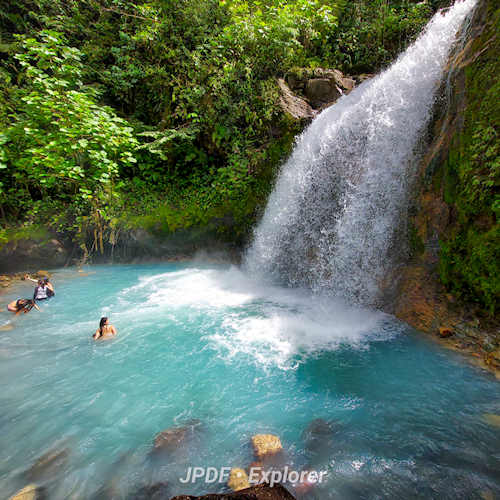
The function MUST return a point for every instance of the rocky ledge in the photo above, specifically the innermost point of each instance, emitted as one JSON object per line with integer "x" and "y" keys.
{"x": 259, "y": 492}
{"x": 422, "y": 300}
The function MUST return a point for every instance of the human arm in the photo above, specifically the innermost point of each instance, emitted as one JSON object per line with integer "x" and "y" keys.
{"x": 26, "y": 277}
{"x": 97, "y": 334}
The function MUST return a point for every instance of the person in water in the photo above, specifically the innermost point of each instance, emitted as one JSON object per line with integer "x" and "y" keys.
{"x": 42, "y": 291}
{"x": 105, "y": 330}
{"x": 47, "y": 283}
{"x": 22, "y": 305}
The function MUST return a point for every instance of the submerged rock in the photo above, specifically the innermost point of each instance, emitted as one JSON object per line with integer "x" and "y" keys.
{"x": 174, "y": 437}
{"x": 492, "y": 419}
{"x": 30, "y": 492}
{"x": 318, "y": 436}
{"x": 259, "y": 492}
{"x": 238, "y": 480}
{"x": 265, "y": 445}
{"x": 47, "y": 464}
{"x": 157, "y": 491}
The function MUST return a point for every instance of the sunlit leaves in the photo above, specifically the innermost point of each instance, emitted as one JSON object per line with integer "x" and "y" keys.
{"x": 61, "y": 140}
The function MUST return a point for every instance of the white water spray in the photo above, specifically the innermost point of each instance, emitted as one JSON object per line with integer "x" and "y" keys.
{"x": 332, "y": 220}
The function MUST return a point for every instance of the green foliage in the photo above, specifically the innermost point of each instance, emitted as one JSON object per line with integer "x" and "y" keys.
{"x": 470, "y": 260}
{"x": 165, "y": 113}
{"x": 60, "y": 144}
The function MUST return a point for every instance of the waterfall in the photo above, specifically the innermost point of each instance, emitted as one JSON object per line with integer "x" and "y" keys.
{"x": 335, "y": 218}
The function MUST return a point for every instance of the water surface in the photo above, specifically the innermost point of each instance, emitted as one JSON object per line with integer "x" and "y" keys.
{"x": 206, "y": 342}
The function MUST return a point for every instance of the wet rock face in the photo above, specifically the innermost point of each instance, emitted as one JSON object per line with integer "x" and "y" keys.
{"x": 30, "y": 253}
{"x": 260, "y": 492}
{"x": 421, "y": 299}
{"x": 321, "y": 91}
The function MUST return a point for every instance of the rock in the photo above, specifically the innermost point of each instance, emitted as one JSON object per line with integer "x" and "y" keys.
{"x": 172, "y": 438}
{"x": 297, "y": 83}
{"x": 318, "y": 436}
{"x": 364, "y": 76}
{"x": 157, "y": 491}
{"x": 30, "y": 492}
{"x": 47, "y": 464}
{"x": 321, "y": 91}
{"x": 31, "y": 253}
{"x": 238, "y": 480}
{"x": 259, "y": 492}
{"x": 492, "y": 419}
{"x": 348, "y": 84}
{"x": 7, "y": 327}
{"x": 266, "y": 444}
{"x": 445, "y": 332}
{"x": 487, "y": 495}
{"x": 294, "y": 105}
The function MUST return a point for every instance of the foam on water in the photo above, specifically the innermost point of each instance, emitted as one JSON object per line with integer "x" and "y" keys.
{"x": 272, "y": 325}
{"x": 210, "y": 343}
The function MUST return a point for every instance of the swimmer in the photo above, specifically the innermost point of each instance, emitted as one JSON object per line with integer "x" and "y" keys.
{"x": 105, "y": 330}
{"x": 46, "y": 281}
{"x": 41, "y": 291}
{"x": 22, "y": 305}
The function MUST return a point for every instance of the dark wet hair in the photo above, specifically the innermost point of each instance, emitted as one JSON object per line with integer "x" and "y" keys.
{"x": 102, "y": 323}
{"x": 24, "y": 305}
{"x": 45, "y": 280}
{"x": 40, "y": 282}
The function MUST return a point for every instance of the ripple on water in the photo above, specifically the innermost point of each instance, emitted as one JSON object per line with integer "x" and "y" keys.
{"x": 210, "y": 343}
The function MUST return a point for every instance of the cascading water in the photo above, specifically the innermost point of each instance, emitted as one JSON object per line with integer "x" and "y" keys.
{"x": 333, "y": 219}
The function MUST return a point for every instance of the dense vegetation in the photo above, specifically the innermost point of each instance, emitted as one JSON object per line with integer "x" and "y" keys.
{"x": 470, "y": 260}
{"x": 164, "y": 114}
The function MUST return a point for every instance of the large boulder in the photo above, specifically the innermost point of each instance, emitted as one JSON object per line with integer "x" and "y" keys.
{"x": 265, "y": 445}
{"x": 295, "y": 106}
{"x": 238, "y": 479}
{"x": 322, "y": 91}
{"x": 173, "y": 438}
{"x": 259, "y": 492}
{"x": 320, "y": 87}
